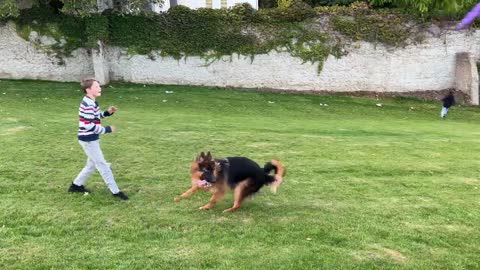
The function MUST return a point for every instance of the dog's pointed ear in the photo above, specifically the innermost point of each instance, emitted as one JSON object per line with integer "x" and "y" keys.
{"x": 201, "y": 158}
{"x": 209, "y": 156}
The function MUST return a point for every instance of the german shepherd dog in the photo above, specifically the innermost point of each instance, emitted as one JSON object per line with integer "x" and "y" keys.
{"x": 240, "y": 174}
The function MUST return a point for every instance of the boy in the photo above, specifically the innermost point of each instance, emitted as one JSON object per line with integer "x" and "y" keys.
{"x": 448, "y": 101}
{"x": 89, "y": 132}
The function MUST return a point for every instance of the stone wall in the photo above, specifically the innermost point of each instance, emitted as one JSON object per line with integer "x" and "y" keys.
{"x": 20, "y": 59}
{"x": 438, "y": 63}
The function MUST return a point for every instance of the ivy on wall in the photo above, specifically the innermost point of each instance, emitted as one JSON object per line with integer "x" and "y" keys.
{"x": 359, "y": 22}
{"x": 60, "y": 27}
{"x": 306, "y": 33}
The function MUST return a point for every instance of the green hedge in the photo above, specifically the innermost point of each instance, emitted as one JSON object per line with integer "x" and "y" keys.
{"x": 313, "y": 3}
{"x": 331, "y": 2}
{"x": 8, "y": 9}
{"x": 46, "y": 21}
{"x": 267, "y": 3}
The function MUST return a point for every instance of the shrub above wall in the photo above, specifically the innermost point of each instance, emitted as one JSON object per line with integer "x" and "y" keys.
{"x": 332, "y": 2}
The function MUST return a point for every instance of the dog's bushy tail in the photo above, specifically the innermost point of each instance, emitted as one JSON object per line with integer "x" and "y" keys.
{"x": 279, "y": 172}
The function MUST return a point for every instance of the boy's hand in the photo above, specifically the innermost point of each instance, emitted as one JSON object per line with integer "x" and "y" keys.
{"x": 112, "y": 109}
{"x": 114, "y": 129}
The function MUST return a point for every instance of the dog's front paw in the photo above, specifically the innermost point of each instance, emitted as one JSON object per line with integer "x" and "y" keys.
{"x": 205, "y": 207}
{"x": 230, "y": 209}
{"x": 177, "y": 199}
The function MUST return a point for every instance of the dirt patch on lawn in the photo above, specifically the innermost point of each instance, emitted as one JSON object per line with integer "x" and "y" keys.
{"x": 379, "y": 253}
{"x": 14, "y": 130}
{"x": 430, "y": 95}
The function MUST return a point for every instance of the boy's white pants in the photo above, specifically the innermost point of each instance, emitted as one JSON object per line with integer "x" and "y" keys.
{"x": 444, "y": 112}
{"x": 96, "y": 161}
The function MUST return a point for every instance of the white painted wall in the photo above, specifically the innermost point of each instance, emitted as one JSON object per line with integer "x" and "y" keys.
{"x": 192, "y": 3}
{"x": 161, "y": 8}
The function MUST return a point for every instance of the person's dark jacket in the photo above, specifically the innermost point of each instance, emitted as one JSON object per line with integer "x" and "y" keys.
{"x": 448, "y": 101}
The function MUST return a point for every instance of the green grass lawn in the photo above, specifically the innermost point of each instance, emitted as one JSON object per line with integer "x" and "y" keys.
{"x": 368, "y": 187}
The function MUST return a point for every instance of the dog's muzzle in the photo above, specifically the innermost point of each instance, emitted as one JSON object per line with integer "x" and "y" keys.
{"x": 208, "y": 176}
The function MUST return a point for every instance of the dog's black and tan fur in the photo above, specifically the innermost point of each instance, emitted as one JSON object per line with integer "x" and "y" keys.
{"x": 240, "y": 174}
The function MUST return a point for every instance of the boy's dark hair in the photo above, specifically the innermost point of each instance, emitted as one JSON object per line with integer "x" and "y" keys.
{"x": 87, "y": 83}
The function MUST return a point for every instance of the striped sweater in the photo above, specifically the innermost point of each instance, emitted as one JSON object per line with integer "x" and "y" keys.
{"x": 89, "y": 124}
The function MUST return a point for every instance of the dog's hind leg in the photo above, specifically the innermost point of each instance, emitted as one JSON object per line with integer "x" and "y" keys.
{"x": 187, "y": 193}
{"x": 241, "y": 191}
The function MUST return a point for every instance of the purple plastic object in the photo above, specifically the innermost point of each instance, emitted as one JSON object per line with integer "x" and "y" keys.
{"x": 469, "y": 18}
{"x": 203, "y": 183}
